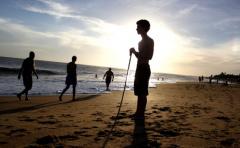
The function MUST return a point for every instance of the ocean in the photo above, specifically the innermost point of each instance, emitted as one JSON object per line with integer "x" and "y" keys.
{"x": 52, "y": 78}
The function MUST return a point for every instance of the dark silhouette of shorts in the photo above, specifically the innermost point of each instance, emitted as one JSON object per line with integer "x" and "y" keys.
{"x": 108, "y": 80}
{"x": 71, "y": 80}
{"x": 27, "y": 82}
{"x": 142, "y": 76}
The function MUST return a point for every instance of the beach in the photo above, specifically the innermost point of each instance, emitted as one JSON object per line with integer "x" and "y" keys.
{"x": 177, "y": 115}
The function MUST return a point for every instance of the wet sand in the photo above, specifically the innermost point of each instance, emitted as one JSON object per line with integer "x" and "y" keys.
{"x": 178, "y": 115}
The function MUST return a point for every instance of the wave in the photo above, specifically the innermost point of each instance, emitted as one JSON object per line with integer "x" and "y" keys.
{"x": 14, "y": 71}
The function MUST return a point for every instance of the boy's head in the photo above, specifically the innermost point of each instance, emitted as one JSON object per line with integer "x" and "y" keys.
{"x": 74, "y": 58}
{"x": 143, "y": 24}
{"x": 31, "y": 54}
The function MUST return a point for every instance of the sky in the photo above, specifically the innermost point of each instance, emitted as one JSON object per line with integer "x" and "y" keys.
{"x": 191, "y": 37}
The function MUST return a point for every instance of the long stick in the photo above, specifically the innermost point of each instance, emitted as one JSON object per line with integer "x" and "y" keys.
{"x": 115, "y": 121}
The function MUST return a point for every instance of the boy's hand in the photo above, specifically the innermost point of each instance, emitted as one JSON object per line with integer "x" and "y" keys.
{"x": 131, "y": 50}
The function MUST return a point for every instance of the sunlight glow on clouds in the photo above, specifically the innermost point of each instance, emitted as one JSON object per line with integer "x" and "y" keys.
{"x": 190, "y": 37}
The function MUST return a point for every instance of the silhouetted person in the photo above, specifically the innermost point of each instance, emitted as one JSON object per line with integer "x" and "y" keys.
{"x": 96, "y": 76}
{"x": 210, "y": 79}
{"x": 143, "y": 71}
{"x": 26, "y": 70}
{"x": 71, "y": 78}
{"x": 109, "y": 77}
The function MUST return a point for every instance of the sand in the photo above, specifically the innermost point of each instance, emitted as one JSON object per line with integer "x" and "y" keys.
{"x": 178, "y": 115}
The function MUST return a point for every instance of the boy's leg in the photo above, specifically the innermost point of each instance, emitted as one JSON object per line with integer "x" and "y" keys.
{"x": 137, "y": 113}
{"x": 64, "y": 90}
{"x": 141, "y": 106}
{"x": 26, "y": 94}
{"x": 74, "y": 91}
{"x": 20, "y": 94}
{"x": 107, "y": 84}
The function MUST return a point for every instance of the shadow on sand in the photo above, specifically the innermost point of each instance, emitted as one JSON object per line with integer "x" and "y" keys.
{"x": 43, "y": 105}
{"x": 139, "y": 135}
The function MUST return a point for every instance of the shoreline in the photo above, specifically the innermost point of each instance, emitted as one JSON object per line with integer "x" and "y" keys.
{"x": 100, "y": 92}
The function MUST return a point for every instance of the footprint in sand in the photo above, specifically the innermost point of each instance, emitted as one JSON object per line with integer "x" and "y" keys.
{"x": 9, "y": 126}
{"x": 17, "y": 132}
{"x": 69, "y": 137}
{"x": 50, "y": 119}
{"x": 228, "y": 142}
{"x": 3, "y": 142}
{"x": 223, "y": 118}
{"x": 81, "y": 132}
{"x": 169, "y": 133}
{"x": 66, "y": 115}
{"x": 121, "y": 115}
{"x": 165, "y": 109}
{"x": 50, "y": 139}
{"x": 26, "y": 119}
{"x": 98, "y": 119}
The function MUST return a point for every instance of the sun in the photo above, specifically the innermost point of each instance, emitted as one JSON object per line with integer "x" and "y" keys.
{"x": 117, "y": 41}
{"x": 166, "y": 48}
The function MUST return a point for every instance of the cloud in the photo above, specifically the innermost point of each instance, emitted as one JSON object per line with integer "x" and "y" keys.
{"x": 60, "y": 10}
{"x": 11, "y": 27}
{"x": 229, "y": 22}
{"x": 187, "y": 11}
{"x": 58, "y": 7}
{"x": 71, "y": 40}
{"x": 220, "y": 58}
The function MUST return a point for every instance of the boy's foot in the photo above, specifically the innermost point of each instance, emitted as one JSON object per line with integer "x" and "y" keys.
{"x": 26, "y": 99}
{"x": 138, "y": 118}
{"x": 19, "y": 97}
{"x": 60, "y": 98}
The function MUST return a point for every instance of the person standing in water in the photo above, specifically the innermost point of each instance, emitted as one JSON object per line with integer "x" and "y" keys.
{"x": 143, "y": 71}
{"x": 26, "y": 70}
{"x": 109, "y": 77}
{"x": 71, "y": 78}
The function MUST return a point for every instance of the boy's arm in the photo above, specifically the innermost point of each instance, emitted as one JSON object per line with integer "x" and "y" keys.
{"x": 20, "y": 72}
{"x": 104, "y": 75}
{"x": 132, "y": 50}
{"x": 34, "y": 71}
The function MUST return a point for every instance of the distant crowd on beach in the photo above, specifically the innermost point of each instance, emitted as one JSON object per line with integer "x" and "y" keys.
{"x": 220, "y": 78}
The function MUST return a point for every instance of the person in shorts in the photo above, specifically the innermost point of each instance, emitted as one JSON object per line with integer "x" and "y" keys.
{"x": 26, "y": 70}
{"x": 143, "y": 71}
{"x": 71, "y": 78}
{"x": 109, "y": 77}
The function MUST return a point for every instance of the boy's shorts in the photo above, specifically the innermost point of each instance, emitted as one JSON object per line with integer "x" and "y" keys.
{"x": 142, "y": 76}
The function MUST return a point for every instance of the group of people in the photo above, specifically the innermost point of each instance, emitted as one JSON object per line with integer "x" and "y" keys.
{"x": 142, "y": 74}
{"x": 27, "y": 69}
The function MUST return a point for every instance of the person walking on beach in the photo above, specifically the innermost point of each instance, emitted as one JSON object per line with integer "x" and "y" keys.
{"x": 109, "y": 77}
{"x": 143, "y": 71}
{"x": 71, "y": 78}
{"x": 26, "y": 70}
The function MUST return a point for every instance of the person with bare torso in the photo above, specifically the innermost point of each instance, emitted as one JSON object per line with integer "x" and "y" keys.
{"x": 26, "y": 70}
{"x": 143, "y": 71}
